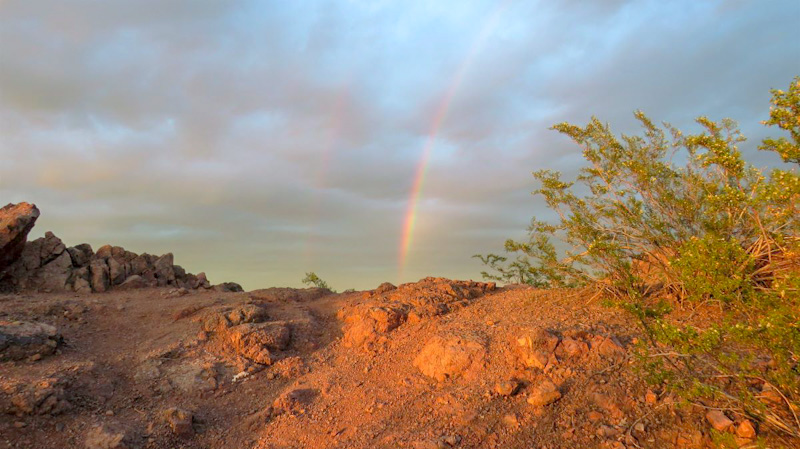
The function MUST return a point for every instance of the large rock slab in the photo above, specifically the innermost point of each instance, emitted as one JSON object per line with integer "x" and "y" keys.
{"x": 16, "y": 221}
{"x": 22, "y": 339}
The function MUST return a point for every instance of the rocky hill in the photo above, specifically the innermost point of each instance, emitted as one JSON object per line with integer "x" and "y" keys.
{"x": 432, "y": 364}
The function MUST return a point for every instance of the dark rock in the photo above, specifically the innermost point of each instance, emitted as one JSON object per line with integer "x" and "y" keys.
{"x": 22, "y": 339}
{"x": 80, "y": 254}
{"x": 228, "y": 287}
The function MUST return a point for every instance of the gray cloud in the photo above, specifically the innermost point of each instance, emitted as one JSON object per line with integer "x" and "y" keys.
{"x": 260, "y": 140}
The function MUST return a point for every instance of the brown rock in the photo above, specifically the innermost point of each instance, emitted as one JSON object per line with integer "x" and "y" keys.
{"x": 51, "y": 248}
{"x": 116, "y": 271}
{"x": 54, "y": 275}
{"x": 43, "y": 397}
{"x": 247, "y": 313}
{"x": 133, "y": 282}
{"x": 507, "y": 388}
{"x": 544, "y": 393}
{"x": 180, "y": 421}
{"x": 650, "y": 397}
{"x": 254, "y": 341}
{"x": 718, "y": 420}
{"x": 449, "y": 357}
{"x": 16, "y": 221}
{"x": 608, "y": 404}
{"x": 385, "y": 287}
{"x": 607, "y": 346}
{"x": 98, "y": 273}
{"x": 535, "y": 347}
{"x": 745, "y": 429}
{"x": 104, "y": 252}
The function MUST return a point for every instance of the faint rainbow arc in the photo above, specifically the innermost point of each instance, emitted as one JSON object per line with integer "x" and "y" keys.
{"x": 410, "y": 219}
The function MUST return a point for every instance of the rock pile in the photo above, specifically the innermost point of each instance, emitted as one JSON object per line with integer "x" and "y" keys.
{"x": 388, "y": 307}
{"x": 47, "y": 265}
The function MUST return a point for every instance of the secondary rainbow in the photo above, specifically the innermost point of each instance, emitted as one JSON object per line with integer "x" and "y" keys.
{"x": 410, "y": 219}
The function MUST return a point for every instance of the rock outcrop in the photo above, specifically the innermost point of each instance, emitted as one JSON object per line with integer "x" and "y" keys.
{"x": 16, "y": 221}
{"x": 48, "y": 265}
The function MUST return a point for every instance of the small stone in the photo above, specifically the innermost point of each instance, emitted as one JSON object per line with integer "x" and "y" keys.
{"x": 508, "y": 388}
{"x": 109, "y": 412}
{"x": 718, "y": 420}
{"x": 511, "y": 420}
{"x": 60, "y": 427}
{"x": 639, "y": 427}
{"x": 595, "y": 416}
{"x": 745, "y": 429}
{"x": 19, "y": 424}
{"x": 607, "y": 431}
{"x": 180, "y": 421}
{"x": 650, "y": 397}
{"x": 543, "y": 394}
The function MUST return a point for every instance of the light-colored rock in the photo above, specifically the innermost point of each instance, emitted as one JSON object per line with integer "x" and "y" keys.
{"x": 507, "y": 388}
{"x": 718, "y": 420}
{"x": 544, "y": 393}
{"x": 745, "y": 429}
{"x": 133, "y": 282}
{"x": 105, "y": 437}
{"x": 98, "y": 274}
{"x": 535, "y": 347}
{"x": 446, "y": 357}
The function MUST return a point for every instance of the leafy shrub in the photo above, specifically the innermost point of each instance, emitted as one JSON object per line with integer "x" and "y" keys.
{"x": 312, "y": 279}
{"x": 663, "y": 220}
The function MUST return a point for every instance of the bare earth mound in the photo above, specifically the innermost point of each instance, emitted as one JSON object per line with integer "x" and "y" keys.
{"x": 434, "y": 364}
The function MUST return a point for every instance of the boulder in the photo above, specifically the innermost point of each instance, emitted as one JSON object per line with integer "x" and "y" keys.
{"x": 228, "y": 287}
{"x": 133, "y": 282}
{"x": 51, "y": 248}
{"x": 54, "y": 275}
{"x": 445, "y": 357}
{"x": 104, "y": 252}
{"x": 164, "y": 270}
{"x": 23, "y": 339}
{"x": 116, "y": 270}
{"x": 16, "y": 221}
{"x": 80, "y": 254}
{"x": 98, "y": 275}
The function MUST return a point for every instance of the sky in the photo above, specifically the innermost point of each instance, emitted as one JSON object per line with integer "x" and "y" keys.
{"x": 366, "y": 141}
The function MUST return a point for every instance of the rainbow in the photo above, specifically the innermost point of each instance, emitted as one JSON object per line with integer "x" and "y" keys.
{"x": 410, "y": 219}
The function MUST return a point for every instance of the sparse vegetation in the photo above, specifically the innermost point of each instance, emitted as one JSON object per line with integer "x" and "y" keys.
{"x": 312, "y": 279}
{"x": 700, "y": 245}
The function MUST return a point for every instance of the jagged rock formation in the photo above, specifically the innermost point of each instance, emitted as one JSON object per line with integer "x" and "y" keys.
{"x": 47, "y": 265}
{"x": 16, "y": 220}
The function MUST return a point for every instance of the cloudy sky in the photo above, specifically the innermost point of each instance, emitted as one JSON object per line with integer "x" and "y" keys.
{"x": 258, "y": 140}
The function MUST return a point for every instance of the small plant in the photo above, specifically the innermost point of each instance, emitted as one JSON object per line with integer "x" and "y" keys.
{"x": 312, "y": 279}
{"x": 664, "y": 221}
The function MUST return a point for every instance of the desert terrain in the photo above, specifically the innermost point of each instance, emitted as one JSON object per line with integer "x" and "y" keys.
{"x": 110, "y": 349}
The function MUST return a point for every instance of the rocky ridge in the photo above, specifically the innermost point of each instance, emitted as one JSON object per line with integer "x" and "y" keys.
{"x": 48, "y": 265}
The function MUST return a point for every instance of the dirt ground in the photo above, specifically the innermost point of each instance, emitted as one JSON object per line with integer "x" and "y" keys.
{"x": 436, "y": 364}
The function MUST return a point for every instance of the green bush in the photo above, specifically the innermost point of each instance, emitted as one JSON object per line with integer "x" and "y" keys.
{"x": 312, "y": 279}
{"x": 664, "y": 222}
